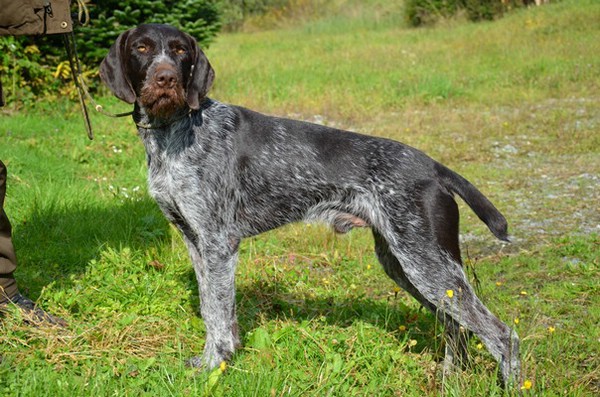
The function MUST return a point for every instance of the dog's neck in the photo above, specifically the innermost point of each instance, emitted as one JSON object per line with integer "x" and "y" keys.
{"x": 145, "y": 121}
{"x": 172, "y": 135}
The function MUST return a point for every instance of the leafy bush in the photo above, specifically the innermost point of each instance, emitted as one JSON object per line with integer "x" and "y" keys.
{"x": 199, "y": 18}
{"x": 235, "y": 12}
{"x": 423, "y": 12}
{"x": 24, "y": 72}
{"x": 36, "y": 66}
{"x": 268, "y": 14}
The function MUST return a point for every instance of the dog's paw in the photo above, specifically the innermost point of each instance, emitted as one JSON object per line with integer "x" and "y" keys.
{"x": 211, "y": 358}
{"x": 510, "y": 364}
{"x": 202, "y": 364}
{"x": 195, "y": 362}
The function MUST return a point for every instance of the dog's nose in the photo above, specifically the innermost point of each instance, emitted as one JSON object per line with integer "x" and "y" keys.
{"x": 165, "y": 78}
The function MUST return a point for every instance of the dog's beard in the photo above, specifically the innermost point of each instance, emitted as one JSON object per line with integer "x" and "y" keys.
{"x": 160, "y": 102}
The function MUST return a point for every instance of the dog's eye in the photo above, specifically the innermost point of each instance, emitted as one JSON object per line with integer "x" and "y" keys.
{"x": 142, "y": 48}
{"x": 180, "y": 51}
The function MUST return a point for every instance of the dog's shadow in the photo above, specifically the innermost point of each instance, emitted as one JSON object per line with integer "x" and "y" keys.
{"x": 263, "y": 301}
{"x": 59, "y": 240}
{"x": 56, "y": 242}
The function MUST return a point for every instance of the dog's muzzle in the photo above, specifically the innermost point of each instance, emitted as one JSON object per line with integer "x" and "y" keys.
{"x": 162, "y": 94}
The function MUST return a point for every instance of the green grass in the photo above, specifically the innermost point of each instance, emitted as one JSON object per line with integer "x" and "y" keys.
{"x": 353, "y": 68}
{"x": 512, "y": 105}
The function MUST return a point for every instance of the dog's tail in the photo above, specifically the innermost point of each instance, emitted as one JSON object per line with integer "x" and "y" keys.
{"x": 480, "y": 204}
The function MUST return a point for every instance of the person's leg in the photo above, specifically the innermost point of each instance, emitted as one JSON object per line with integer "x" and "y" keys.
{"x": 9, "y": 293}
{"x": 1, "y": 94}
{"x": 8, "y": 260}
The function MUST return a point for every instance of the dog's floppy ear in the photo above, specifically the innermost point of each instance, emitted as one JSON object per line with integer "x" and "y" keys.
{"x": 200, "y": 81}
{"x": 112, "y": 70}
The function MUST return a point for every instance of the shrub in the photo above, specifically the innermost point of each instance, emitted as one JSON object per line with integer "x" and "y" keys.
{"x": 268, "y": 14}
{"x": 423, "y": 12}
{"x": 199, "y": 18}
{"x": 235, "y": 12}
{"x": 23, "y": 71}
{"x": 41, "y": 70}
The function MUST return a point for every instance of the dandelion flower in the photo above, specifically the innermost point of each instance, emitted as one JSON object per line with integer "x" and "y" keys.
{"x": 223, "y": 366}
{"x": 450, "y": 293}
{"x": 516, "y": 320}
{"x": 523, "y": 293}
{"x": 368, "y": 267}
{"x": 402, "y": 328}
{"x": 526, "y": 385}
{"x": 498, "y": 283}
{"x": 479, "y": 346}
{"x": 551, "y": 329}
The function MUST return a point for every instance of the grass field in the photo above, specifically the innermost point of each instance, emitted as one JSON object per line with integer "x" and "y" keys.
{"x": 513, "y": 105}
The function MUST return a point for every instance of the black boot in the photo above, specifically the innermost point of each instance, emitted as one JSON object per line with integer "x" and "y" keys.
{"x": 32, "y": 314}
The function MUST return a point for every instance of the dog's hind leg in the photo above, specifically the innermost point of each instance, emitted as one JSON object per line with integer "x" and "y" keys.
{"x": 456, "y": 338}
{"x": 417, "y": 258}
{"x": 442, "y": 212}
{"x": 429, "y": 278}
{"x": 214, "y": 266}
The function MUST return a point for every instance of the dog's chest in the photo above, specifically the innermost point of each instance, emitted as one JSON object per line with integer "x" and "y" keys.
{"x": 163, "y": 179}
{"x": 174, "y": 184}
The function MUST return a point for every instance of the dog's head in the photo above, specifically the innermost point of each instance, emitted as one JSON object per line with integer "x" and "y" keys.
{"x": 160, "y": 67}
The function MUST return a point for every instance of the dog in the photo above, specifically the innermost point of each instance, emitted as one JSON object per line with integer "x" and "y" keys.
{"x": 222, "y": 173}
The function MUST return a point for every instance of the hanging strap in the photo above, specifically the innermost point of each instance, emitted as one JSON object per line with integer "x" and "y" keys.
{"x": 82, "y": 90}
{"x": 71, "y": 48}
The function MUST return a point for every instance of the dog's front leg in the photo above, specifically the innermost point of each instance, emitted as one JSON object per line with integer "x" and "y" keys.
{"x": 214, "y": 264}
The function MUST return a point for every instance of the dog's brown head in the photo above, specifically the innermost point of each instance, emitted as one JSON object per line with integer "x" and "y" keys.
{"x": 160, "y": 67}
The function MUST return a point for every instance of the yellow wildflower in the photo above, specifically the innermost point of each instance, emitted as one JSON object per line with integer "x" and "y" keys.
{"x": 526, "y": 385}
{"x": 480, "y": 346}
{"x": 551, "y": 329}
{"x": 223, "y": 366}
{"x": 402, "y": 328}
{"x": 450, "y": 293}
{"x": 516, "y": 320}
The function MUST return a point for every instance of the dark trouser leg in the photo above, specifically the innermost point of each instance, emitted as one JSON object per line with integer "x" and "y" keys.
{"x": 8, "y": 264}
{"x": 8, "y": 260}
{"x": 1, "y": 94}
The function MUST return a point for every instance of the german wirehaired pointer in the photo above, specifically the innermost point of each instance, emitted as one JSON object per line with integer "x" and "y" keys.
{"x": 221, "y": 173}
